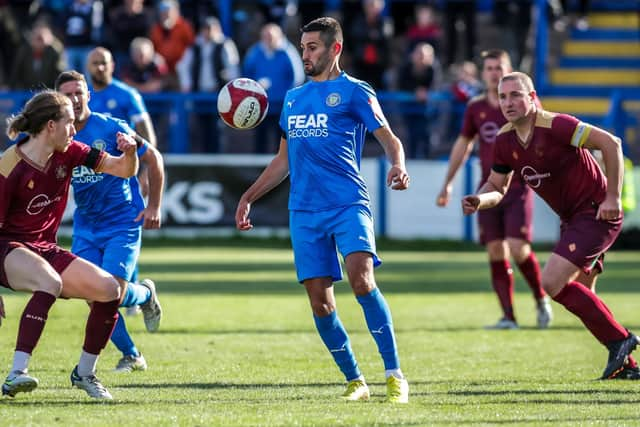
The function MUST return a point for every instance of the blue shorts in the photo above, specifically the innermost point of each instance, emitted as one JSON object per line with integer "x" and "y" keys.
{"x": 116, "y": 251}
{"x": 317, "y": 237}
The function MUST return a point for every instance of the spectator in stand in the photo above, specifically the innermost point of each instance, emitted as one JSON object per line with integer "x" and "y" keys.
{"x": 128, "y": 21}
{"x": 82, "y": 30}
{"x": 37, "y": 63}
{"x": 560, "y": 11}
{"x": 275, "y": 63}
{"x": 421, "y": 74}
{"x": 513, "y": 17}
{"x": 10, "y": 39}
{"x": 466, "y": 84}
{"x": 425, "y": 28}
{"x": 465, "y": 10}
{"x": 171, "y": 36}
{"x": 205, "y": 67}
{"x": 148, "y": 70}
{"x": 371, "y": 34}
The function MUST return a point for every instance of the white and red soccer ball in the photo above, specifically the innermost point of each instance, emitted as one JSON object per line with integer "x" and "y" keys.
{"x": 242, "y": 103}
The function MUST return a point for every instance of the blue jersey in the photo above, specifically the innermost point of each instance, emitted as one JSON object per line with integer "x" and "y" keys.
{"x": 102, "y": 199}
{"x": 325, "y": 125}
{"x": 118, "y": 100}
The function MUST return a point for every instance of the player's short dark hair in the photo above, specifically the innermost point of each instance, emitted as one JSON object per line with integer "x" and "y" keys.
{"x": 329, "y": 28}
{"x": 69, "y": 76}
{"x": 42, "y": 107}
{"x": 499, "y": 54}
{"x": 523, "y": 78}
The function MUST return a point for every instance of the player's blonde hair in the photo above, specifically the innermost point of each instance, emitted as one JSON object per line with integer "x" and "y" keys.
{"x": 523, "y": 78}
{"x": 42, "y": 107}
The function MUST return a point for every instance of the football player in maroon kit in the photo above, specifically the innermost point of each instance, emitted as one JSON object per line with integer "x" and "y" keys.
{"x": 35, "y": 174}
{"x": 550, "y": 152}
{"x": 506, "y": 229}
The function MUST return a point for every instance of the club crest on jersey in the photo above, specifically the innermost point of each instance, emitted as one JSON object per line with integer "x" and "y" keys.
{"x": 61, "y": 172}
{"x": 333, "y": 99}
{"x": 112, "y": 103}
{"x": 30, "y": 184}
{"x": 99, "y": 144}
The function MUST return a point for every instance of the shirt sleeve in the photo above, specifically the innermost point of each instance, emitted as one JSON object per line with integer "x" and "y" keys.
{"x": 6, "y": 193}
{"x": 137, "y": 109}
{"x": 569, "y": 130}
{"x": 469, "y": 129}
{"x": 500, "y": 162}
{"x": 367, "y": 108}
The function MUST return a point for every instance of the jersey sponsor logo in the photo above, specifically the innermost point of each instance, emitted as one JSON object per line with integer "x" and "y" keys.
{"x": 39, "y": 203}
{"x": 61, "y": 172}
{"x": 488, "y": 131}
{"x": 307, "y": 125}
{"x": 85, "y": 175}
{"x": 532, "y": 177}
{"x": 333, "y": 99}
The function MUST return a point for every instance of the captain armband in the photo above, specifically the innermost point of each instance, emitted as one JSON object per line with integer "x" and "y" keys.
{"x": 92, "y": 158}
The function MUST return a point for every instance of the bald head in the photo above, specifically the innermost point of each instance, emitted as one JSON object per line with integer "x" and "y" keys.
{"x": 100, "y": 65}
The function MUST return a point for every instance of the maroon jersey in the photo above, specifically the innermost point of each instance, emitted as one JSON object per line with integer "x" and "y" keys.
{"x": 484, "y": 120}
{"x": 553, "y": 163}
{"x": 33, "y": 199}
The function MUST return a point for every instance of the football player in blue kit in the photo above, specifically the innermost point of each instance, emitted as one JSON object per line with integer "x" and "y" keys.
{"x": 324, "y": 123}
{"x": 115, "y": 98}
{"x": 111, "y": 212}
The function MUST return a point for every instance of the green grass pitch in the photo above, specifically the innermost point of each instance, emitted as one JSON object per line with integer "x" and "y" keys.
{"x": 237, "y": 346}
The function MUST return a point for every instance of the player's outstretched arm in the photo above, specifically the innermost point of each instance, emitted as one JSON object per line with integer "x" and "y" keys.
{"x": 459, "y": 154}
{"x": 489, "y": 195}
{"x": 125, "y": 165}
{"x": 152, "y": 159}
{"x": 397, "y": 177}
{"x": 273, "y": 175}
{"x": 611, "y": 148}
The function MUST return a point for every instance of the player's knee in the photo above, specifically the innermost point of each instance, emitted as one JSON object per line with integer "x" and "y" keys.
{"x": 322, "y": 308}
{"x": 363, "y": 287}
{"x": 109, "y": 290}
{"x": 551, "y": 286}
{"x": 496, "y": 250}
{"x": 52, "y": 285}
{"x": 520, "y": 250}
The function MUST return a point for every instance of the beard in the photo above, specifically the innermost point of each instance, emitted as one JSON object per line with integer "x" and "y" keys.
{"x": 317, "y": 68}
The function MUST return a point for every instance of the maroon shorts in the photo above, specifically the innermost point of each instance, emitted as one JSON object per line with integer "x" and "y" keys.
{"x": 56, "y": 256}
{"x": 512, "y": 217}
{"x": 584, "y": 240}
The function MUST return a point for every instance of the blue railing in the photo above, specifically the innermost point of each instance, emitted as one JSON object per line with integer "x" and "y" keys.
{"x": 175, "y": 109}
{"x": 618, "y": 119}
{"x": 542, "y": 45}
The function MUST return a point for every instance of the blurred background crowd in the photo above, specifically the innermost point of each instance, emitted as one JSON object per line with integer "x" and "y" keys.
{"x": 423, "y": 52}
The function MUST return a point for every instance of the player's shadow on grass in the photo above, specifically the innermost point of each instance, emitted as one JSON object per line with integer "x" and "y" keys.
{"x": 226, "y": 386}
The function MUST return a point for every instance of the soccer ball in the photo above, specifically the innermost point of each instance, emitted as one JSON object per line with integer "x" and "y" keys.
{"x": 242, "y": 103}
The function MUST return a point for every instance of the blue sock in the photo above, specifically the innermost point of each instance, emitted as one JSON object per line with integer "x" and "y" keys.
{"x": 122, "y": 340}
{"x": 135, "y": 295}
{"x": 378, "y": 317}
{"x": 336, "y": 339}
